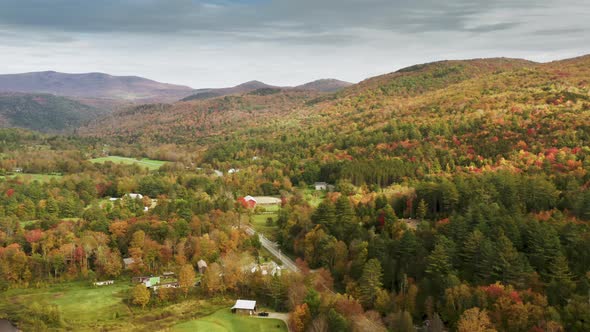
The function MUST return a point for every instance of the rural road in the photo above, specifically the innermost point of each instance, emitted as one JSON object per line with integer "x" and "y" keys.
{"x": 273, "y": 247}
{"x": 276, "y": 315}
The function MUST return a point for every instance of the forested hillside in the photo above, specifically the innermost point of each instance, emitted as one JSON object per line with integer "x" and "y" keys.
{"x": 44, "y": 112}
{"x": 460, "y": 201}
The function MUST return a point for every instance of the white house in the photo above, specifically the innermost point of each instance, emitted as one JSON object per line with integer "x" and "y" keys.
{"x": 135, "y": 196}
{"x": 321, "y": 186}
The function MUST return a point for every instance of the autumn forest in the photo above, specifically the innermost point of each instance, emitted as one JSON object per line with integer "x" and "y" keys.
{"x": 457, "y": 198}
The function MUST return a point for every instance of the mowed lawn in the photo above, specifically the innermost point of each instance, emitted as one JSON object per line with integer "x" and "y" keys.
{"x": 145, "y": 162}
{"x": 259, "y": 224}
{"x": 224, "y": 321}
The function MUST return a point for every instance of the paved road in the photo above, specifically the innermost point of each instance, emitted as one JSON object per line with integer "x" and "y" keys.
{"x": 273, "y": 247}
{"x": 276, "y": 315}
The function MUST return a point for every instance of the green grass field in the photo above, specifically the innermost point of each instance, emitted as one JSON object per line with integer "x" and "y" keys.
{"x": 87, "y": 308}
{"x": 259, "y": 224}
{"x": 313, "y": 197}
{"x": 34, "y": 177}
{"x": 224, "y": 321}
{"x": 149, "y": 163}
{"x": 81, "y": 306}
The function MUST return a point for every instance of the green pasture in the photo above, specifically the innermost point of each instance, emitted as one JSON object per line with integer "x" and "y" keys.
{"x": 224, "y": 321}
{"x": 149, "y": 163}
{"x": 84, "y": 307}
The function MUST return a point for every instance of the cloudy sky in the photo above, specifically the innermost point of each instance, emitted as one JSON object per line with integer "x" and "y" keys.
{"x": 216, "y": 43}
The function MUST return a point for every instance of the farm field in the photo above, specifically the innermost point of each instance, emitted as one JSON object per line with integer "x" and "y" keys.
{"x": 224, "y": 321}
{"x": 83, "y": 307}
{"x": 259, "y": 223}
{"x": 149, "y": 163}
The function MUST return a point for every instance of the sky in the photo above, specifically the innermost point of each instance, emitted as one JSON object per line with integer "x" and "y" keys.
{"x": 219, "y": 43}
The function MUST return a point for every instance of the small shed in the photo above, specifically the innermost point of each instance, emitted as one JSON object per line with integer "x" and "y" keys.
{"x": 321, "y": 186}
{"x": 129, "y": 261}
{"x": 244, "y": 307}
{"x": 202, "y": 266}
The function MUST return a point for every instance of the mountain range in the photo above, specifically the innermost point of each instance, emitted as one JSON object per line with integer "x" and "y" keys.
{"x": 52, "y": 101}
{"x": 480, "y": 109}
{"x": 322, "y": 85}
{"x": 93, "y": 85}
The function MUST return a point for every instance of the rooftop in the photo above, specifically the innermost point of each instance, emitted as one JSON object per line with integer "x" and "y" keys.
{"x": 245, "y": 305}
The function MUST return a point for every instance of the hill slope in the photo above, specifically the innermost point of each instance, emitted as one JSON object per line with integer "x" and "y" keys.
{"x": 96, "y": 85}
{"x": 44, "y": 112}
{"x": 324, "y": 85}
{"x": 452, "y": 115}
{"x": 185, "y": 122}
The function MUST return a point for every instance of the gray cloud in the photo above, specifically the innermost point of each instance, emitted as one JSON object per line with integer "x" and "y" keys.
{"x": 222, "y": 42}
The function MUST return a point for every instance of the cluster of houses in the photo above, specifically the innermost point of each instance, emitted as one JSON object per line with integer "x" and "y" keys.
{"x": 270, "y": 268}
{"x": 154, "y": 283}
{"x": 134, "y": 196}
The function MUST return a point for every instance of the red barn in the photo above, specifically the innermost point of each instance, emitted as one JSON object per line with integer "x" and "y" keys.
{"x": 248, "y": 202}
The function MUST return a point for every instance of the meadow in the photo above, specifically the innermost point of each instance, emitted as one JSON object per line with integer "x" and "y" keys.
{"x": 224, "y": 321}
{"x": 83, "y": 307}
{"x": 145, "y": 162}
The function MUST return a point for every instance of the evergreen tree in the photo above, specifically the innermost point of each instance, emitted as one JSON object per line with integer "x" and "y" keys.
{"x": 422, "y": 209}
{"x": 508, "y": 267}
{"x": 370, "y": 282}
{"x": 345, "y": 227}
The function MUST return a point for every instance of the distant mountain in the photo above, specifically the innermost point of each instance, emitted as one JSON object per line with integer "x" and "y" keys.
{"x": 325, "y": 85}
{"x": 470, "y": 91}
{"x": 201, "y": 94}
{"x": 257, "y": 87}
{"x": 93, "y": 85}
{"x": 44, "y": 112}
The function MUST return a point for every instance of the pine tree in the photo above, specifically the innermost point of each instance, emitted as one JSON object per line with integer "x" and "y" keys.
{"x": 508, "y": 266}
{"x": 422, "y": 209}
{"x": 438, "y": 262}
{"x": 471, "y": 255}
{"x": 345, "y": 227}
{"x": 370, "y": 282}
{"x": 325, "y": 215}
{"x": 561, "y": 286}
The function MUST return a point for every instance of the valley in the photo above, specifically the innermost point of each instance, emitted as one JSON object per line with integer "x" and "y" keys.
{"x": 432, "y": 198}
